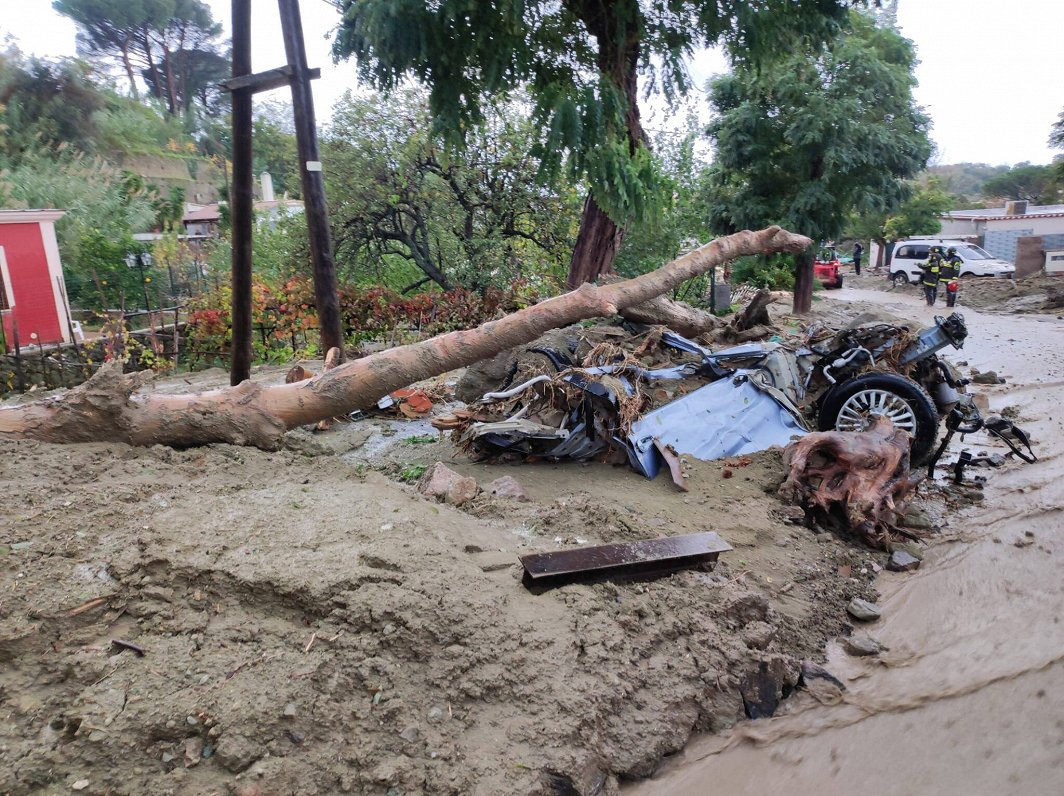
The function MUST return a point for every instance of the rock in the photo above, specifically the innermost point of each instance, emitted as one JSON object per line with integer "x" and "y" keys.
{"x": 917, "y": 519}
{"x": 862, "y": 645}
{"x": 508, "y": 487}
{"x": 81, "y": 784}
{"x": 443, "y": 483}
{"x": 289, "y": 710}
{"x": 902, "y": 561}
{"x": 758, "y": 635}
{"x": 436, "y": 714}
{"x": 824, "y": 538}
{"x": 783, "y": 542}
{"x": 990, "y": 377}
{"x": 193, "y": 751}
{"x": 764, "y": 689}
{"x": 410, "y": 734}
{"x": 825, "y": 687}
{"x": 236, "y": 752}
{"x": 863, "y": 610}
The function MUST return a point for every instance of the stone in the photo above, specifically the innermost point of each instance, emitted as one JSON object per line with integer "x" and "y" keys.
{"x": 410, "y": 734}
{"x": 758, "y": 635}
{"x": 289, "y": 710}
{"x": 824, "y": 538}
{"x": 436, "y": 714}
{"x": 989, "y": 377}
{"x": 763, "y": 690}
{"x": 235, "y": 753}
{"x": 902, "y": 561}
{"x": 508, "y": 487}
{"x": 193, "y": 751}
{"x": 862, "y": 610}
{"x": 859, "y": 646}
{"x": 917, "y": 519}
{"x": 80, "y": 784}
{"x": 444, "y": 484}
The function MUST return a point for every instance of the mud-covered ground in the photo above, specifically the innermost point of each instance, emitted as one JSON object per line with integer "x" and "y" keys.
{"x": 1037, "y": 293}
{"x": 311, "y": 624}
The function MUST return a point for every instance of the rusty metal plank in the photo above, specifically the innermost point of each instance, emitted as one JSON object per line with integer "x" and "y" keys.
{"x": 645, "y": 558}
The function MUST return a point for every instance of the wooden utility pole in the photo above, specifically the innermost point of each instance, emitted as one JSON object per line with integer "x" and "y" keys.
{"x": 314, "y": 204}
{"x": 242, "y": 199}
{"x": 243, "y": 86}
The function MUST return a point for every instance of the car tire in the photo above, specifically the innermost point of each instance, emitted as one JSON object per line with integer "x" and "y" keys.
{"x": 850, "y": 404}
{"x": 899, "y": 278}
{"x": 838, "y": 283}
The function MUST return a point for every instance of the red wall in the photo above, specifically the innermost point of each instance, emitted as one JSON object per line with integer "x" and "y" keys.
{"x": 34, "y": 293}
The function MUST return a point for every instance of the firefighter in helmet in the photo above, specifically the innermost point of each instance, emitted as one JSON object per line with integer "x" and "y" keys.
{"x": 951, "y": 269}
{"x": 931, "y": 275}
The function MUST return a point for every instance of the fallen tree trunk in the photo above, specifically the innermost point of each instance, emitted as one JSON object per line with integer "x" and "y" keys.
{"x": 108, "y": 408}
{"x": 682, "y": 318}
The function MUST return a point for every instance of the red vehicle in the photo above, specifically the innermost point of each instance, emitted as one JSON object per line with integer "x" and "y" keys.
{"x": 826, "y": 268}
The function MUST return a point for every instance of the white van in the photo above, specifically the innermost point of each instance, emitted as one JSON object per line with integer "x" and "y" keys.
{"x": 910, "y": 255}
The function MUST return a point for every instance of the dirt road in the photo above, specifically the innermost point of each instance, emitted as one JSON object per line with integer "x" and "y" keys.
{"x": 970, "y": 697}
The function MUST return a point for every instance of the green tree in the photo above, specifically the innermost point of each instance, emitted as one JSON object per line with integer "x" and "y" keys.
{"x": 819, "y": 136}
{"x": 172, "y": 44}
{"x": 917, "y": 215}
{"x": 1035, "y": 184}
{"x": 581, "y": 62}
{"x": 46, "y": 104}
{"x": 399, "y": 198}
{"x": 275, "y": 146}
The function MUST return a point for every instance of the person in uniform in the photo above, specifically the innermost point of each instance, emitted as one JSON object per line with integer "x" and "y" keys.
{"x": 858, "y": 250}
{"x": 932, "y": 272}
{"x": 950, "y": 270}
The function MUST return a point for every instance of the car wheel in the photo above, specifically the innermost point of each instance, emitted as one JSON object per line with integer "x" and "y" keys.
{"x": 852, "y": 405}
{"x": 899, "y": 278}
{"x": 838, "y": 283}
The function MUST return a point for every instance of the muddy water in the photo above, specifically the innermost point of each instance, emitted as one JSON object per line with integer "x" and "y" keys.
{"x": 970, "y": 697}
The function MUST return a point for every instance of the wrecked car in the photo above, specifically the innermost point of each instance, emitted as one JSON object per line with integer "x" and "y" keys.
{"x": 711, "y": 405}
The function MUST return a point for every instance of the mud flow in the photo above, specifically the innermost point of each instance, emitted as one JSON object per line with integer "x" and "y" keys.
{"x": 969, "y": 698}
{"x": 225, "y": 620}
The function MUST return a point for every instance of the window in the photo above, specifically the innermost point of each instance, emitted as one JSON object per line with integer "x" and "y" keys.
{"x": 912, "y": 253}
{"x": 973, "y": 253}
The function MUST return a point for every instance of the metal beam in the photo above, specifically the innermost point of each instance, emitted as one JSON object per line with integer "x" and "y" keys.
{"x": 648, "y": 558}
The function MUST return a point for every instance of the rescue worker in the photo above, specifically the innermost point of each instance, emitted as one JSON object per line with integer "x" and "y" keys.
{"x": 951, "y": 269}
{"x": 858, "y": 250}
{"x": 932, "y": 271}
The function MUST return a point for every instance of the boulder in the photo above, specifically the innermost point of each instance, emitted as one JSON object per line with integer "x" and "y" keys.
{"x": 443, "y": 483}
{"x": 508, "y": 487}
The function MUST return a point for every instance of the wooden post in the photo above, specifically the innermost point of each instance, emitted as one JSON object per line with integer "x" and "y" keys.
{"x": 242, "y": 198}
{"x": 325, "y": 288}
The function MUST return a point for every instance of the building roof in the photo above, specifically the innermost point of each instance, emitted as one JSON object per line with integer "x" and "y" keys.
{"x": 29, "y": 216}
{"x": 213, "y": 212}
{"x": 998, "y": 213}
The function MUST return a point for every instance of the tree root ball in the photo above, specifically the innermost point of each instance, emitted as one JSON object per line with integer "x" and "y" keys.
{"x": 856, "y": 481}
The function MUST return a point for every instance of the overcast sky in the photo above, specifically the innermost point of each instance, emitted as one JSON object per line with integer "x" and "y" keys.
{"x": 991, "y": 72}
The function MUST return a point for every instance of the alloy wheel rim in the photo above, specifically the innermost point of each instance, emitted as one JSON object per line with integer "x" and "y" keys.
{"x": 863, "y": 407}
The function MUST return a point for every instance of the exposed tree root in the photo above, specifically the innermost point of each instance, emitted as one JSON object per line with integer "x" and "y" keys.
{"x": 107, "y": 408}
{"x": 859, "y": 480}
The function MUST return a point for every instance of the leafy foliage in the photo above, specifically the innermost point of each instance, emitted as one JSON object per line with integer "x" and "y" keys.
{"x": 579, "y": 60}
{"x": 405, "y": 209}
{"x": 1036, "y": 184}
{"x": 819, "y": 135}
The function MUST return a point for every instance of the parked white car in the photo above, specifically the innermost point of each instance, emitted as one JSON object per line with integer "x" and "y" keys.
{"x": 909, "y": 256}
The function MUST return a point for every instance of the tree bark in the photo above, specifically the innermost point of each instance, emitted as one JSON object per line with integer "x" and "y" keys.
{"x": 619, "y": 41}
{"x": 107, "y": 407}
{"x": 596, "y": 247}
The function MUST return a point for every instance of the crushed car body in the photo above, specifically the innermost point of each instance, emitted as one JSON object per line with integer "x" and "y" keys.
{"x": 712, "y": 405}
